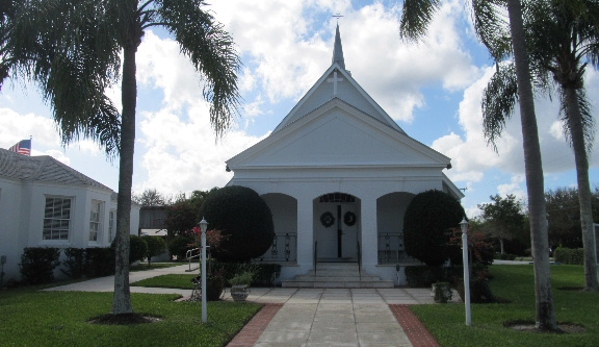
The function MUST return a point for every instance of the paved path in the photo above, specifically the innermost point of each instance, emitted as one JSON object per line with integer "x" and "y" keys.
{"x": 311, "y": 317}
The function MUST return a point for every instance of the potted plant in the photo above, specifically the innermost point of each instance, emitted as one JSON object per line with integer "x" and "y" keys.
{"x": 240, "y": 285}
{"x": 442, "y": 292}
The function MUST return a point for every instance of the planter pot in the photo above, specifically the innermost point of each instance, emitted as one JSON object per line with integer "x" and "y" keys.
{"x": 442, "y": 292}
{"x": 214, "y": 288}
{"x": 240, "y": 292}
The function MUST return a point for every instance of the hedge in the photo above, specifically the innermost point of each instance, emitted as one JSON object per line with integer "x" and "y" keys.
{"x": 574, "y": 256}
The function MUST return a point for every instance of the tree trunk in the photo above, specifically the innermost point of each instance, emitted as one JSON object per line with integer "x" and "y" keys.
{"x": 584, "y": 189}
{"x": 122, "y": 294}
{"x": 545, "y": 311}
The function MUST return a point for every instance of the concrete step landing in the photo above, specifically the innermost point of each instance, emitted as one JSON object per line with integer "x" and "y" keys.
{"x": 337, "y": 275}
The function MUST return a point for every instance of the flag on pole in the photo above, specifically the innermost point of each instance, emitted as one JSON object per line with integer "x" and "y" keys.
{"x": 22, "y": 147}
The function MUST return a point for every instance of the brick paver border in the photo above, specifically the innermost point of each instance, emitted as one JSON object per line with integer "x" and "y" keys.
{"x": 417, "y": 333}
{"x": 249, "y": 335}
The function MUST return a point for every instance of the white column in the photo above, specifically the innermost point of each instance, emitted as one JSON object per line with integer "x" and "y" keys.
{"x": 305, "y": 235}
{"x": 369, "y": 232}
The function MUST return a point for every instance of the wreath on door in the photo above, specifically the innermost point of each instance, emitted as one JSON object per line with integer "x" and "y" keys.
{"x": 349, "y": 218}
{"x": 327, "y": 219}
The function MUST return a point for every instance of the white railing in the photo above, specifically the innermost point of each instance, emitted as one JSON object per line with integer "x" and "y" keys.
{"x": 391, "y": 249}
{"x": 282, "y": 250}
{"x": 189, "y": 255}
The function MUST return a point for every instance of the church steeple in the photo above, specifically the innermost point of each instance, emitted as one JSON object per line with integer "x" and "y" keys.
{"x": 338, "y": 50}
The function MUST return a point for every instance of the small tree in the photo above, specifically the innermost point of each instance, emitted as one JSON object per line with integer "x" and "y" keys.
{"x": 504, "y": 219}
{"x": 156, "y": 246}
{"x": 181, "y": 217}
{"x": 428, "y": 221}
{"x": 244, "y": 220}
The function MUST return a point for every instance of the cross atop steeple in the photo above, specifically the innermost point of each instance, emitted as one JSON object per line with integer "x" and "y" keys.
{"x": 338, "y": 50}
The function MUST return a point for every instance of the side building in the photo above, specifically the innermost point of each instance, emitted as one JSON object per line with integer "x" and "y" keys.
{"x": 45, "y": 203}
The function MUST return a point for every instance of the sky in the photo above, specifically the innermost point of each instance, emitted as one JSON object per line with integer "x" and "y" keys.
{"x": 432, "y": 90}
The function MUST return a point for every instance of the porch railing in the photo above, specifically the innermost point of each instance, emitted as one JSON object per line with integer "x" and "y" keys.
{"x": 391, "y": 249}
{"x": 315, "y": 260}
{"x": 189, "y": 255}
{"x": 359, "y": 261}
{"x": 282, "y": 250}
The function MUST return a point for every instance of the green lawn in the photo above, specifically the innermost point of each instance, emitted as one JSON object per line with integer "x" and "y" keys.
{"x": 515, "y": 283}
{"x": 167, "y": 281}
{"x": 33, "y": 318}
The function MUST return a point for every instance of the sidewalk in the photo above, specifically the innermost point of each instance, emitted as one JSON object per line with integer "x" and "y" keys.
{"x": 310, "y": 317}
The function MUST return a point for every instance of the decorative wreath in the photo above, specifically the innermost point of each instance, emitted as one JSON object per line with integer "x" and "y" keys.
{"x": 327, "y": 219}
{"x": 349, "y": 218}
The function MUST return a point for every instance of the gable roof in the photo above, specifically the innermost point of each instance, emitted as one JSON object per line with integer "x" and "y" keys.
{"x": 42, "y": 169}
{"x": 337, "y": 134}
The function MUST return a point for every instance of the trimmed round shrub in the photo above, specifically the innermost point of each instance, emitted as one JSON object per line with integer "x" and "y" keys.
{"x": 428, "y": 223}
{"x": 138, "y": 248}
{"x": 244, "y": 220}
{"x": 156, "y": 246}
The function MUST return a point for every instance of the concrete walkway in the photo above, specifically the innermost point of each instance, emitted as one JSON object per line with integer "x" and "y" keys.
{"x": 304, "y": 317}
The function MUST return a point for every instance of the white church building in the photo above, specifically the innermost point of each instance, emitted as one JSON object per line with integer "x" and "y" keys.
{"x": 338, "y": 174}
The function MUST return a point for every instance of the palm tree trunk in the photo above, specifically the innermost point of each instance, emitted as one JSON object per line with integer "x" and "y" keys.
{"x": 545, "y": 312}
{"x": 122, "y": 294}
{"x": 584, "y": 189}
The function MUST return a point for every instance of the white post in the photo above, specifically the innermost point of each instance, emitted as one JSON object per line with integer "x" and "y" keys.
{"x": 464, "y": 226}
{"x": 203, "y": 226}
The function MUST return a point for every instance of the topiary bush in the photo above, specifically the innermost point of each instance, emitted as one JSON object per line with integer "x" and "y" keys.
{"x": 244, "y": 220}
{"x": 428, "y": 223}
{"x": 138, "y": 248}
{"x": 156, "y": 246}
{"x": 38, "y": 263}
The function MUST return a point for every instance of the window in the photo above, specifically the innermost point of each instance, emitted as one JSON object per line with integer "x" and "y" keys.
{"x": 57, "y": 218}
{"x": 111, "y": 224}
{"x": 94, "y": 220}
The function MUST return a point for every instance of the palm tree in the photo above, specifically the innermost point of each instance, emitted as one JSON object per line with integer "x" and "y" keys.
{"x": 561, "y": 35}
{"x": 73, "y": 49}
{"x": 416, "y": 16}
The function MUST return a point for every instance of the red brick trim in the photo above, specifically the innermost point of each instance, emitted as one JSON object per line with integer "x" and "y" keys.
{"x": 416, "y": 331}
{"x": 249, "y": 335}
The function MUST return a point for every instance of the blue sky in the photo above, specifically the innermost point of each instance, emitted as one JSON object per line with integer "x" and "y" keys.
{"x": 432, "y": 90}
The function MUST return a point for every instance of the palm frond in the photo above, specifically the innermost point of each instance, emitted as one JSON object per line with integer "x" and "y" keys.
{"x": 416, "y": 16}
{"x": 69, "y": 49}
{"x": 492, "y": 27}
{"x": 499, "y": 99}
{"x": 212, "y": 52}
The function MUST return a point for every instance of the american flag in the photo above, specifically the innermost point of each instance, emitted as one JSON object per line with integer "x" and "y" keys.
{"x": 22, "y": 147}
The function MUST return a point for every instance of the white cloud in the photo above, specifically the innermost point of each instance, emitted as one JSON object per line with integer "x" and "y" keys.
{"x": 58, "y": 155}
{"x": 15, "y": 127}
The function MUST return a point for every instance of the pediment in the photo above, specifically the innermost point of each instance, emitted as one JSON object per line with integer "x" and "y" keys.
{"x": 338, "y": 135}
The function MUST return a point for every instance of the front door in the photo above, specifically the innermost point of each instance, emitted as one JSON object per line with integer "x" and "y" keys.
{"x": 336, "y": 231}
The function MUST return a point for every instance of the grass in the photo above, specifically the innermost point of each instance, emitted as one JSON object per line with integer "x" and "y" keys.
{"x": 143, "y": 266}
{"x": 33, "y": 318}
{"x": 515, "y": 283}
{"x": 167, "y": 281}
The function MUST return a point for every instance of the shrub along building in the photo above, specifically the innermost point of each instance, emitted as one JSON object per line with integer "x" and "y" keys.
{"x": 45, "y": 203}
{"x": 338, "y": 174}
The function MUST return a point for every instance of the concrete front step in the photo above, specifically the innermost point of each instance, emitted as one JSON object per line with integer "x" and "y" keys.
{"x": 337, "y": 284}
{"x": 337, "y": 275}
